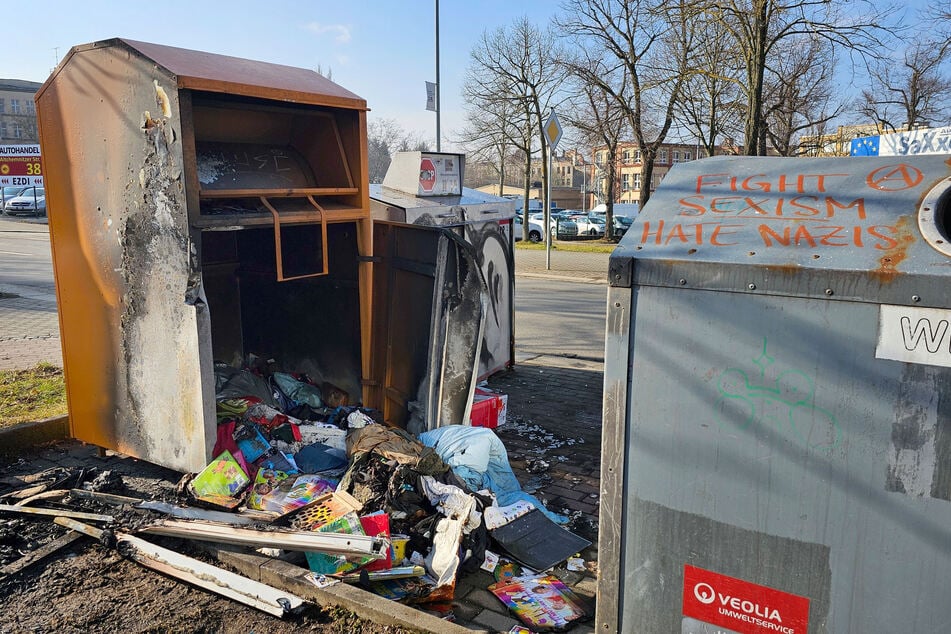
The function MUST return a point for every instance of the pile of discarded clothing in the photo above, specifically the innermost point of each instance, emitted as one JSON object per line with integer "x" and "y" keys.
{"x": 299, "y": 455}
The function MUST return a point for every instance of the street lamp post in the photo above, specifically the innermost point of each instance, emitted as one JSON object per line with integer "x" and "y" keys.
{"x": 438, "y": 85}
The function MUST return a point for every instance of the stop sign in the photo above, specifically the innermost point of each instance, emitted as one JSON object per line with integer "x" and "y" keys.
{"x": 427, "y": 175}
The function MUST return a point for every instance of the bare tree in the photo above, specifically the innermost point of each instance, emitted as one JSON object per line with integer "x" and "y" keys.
{"x": 800, "y": 93}
{"x": 711, "y": 106}
{"x": 911, "y": 93}
{"x": 497, "y": 118}
{"x": 758, "y": 27}
{"x": 599, "y": 122}
{"x": 384, "y": 138}
{"x": 493, "y": 130}
{"x": 518, "y": 65}
{"x": 644, "y": 47}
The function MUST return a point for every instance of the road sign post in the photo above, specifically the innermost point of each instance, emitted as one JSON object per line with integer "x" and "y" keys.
{"x": 553, "y": 132}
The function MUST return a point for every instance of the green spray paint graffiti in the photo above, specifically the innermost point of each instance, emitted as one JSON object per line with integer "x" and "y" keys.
{"x": 786, "y": 405}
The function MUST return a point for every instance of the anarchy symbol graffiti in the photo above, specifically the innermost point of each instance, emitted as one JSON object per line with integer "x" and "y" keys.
{"x": 894, "y": 178}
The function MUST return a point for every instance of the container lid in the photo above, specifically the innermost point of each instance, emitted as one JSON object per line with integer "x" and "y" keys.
{"x": 469, "y": 199}
{"x": 863, "y": 228}
{"x": 198, "y": 70}
{"x": 426, "y": 173}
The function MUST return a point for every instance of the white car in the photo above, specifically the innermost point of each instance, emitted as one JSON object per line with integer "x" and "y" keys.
{"x": 31, "y": 201}
{"x": 588, "y": 225}
{"x": 535, "y": 230}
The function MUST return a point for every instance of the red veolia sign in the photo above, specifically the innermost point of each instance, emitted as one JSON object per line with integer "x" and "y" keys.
{"x": 742, "y": 606}
{"x": 427, "y": 175}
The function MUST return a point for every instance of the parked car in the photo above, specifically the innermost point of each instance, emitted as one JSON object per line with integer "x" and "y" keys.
{"x": 621, "y": 223}
{"x": 561, "y": 227}
{"x": 10, "y": 192}
{"x": 31, "y": 201}
{"x": 588, "y": 225}
{"x": 536, "y": 231}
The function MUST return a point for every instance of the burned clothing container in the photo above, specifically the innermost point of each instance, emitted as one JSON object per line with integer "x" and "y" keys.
{"x": 425, "y": 189}
{"x": 777, "y": 401}
{"x": 204, "y": 209}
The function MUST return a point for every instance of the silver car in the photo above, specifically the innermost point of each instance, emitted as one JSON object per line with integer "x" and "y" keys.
{"x": 588, "y": 225}
{"x": 561, "y": 227}
{"x": 9, "y": 192}
{"x": 31, "y": 201}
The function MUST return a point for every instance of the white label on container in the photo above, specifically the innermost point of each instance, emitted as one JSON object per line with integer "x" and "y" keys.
{"x": 914, "y": 335}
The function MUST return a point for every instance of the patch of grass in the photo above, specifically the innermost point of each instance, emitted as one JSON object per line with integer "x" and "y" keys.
{"x": 586, "y": 246}
{"x": 30, "y": 395}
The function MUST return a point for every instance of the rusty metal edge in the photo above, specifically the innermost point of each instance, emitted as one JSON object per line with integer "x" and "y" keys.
{"x": 18, "y": 437}
{"x": 287, "y": 576}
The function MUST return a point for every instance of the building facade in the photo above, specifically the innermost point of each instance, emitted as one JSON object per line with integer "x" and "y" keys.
{"x": 17, "y": 112}
{"x": 572, "y": 180}
{"x": 837, "y": 143}
{"x": 628, "y": 170}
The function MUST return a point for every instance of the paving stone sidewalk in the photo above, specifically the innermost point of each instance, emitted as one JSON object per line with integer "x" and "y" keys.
{"x": 29, "y": 332}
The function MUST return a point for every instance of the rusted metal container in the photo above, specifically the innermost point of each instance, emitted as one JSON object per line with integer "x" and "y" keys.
{"x": 204, "y": 208}
{"x": 777, "y": 429}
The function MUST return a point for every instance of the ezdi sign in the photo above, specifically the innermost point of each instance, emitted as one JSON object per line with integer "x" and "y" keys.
{"x": 742, "y": 606}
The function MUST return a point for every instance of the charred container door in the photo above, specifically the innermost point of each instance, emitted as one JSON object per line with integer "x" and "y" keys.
{"x": 777, "y": 403}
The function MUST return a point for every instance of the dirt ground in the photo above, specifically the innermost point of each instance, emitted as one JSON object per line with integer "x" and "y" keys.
{"x": 89, "y": 587}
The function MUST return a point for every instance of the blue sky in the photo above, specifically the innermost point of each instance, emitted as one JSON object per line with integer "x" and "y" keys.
{"x": 383, "y": 51}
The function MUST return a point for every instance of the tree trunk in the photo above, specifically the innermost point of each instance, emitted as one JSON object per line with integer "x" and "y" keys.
{"x": 756, "y": 70}
{"x": 612, "y": 185}
{"x": 525, "y": 194}
{"x": 647, "y": 174}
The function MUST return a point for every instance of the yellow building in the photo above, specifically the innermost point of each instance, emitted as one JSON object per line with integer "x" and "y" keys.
{"x": 838, "y": 143}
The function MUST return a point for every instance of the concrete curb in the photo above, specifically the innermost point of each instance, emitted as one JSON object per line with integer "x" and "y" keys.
{"x": 565, "y": 278}
{"x": 286, "y": 576}
{"x": 23, "y": 436}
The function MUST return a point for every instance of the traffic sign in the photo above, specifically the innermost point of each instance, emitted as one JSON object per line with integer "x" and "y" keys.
{"x": 427, "y": 175}
{"x": 553, "y": 130}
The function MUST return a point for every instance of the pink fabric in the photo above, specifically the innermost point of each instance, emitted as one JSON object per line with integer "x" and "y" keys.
{"x": 225, "y": 441}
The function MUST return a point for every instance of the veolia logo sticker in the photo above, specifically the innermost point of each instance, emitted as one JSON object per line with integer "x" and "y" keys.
{"x": 741, "y": 606}
{"x": 705, "y": 593}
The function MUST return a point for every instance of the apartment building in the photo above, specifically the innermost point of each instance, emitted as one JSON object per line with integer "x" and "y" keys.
{"x": 628, "y": 171}
{"x": 17, "y": 112}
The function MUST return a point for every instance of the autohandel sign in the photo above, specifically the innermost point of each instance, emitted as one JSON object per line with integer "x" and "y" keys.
{"x": 20, "y": 165}
{"x": 741, "y": 606}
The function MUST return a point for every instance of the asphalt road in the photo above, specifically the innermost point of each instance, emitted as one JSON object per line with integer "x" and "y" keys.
{"x": 26, "y": 265}
{"x": 559, "y": 317}
{"x": 558, "y": 311}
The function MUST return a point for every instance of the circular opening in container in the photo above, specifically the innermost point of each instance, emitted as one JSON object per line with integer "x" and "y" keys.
{"x": 934, "y": 217}
{"x": 942, "y": 215}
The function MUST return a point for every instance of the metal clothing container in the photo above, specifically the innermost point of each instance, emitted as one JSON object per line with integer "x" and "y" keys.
{"x": 205, "y": 208}
{"x": 425, "y": 189}
{"x": 777, "y": 401}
